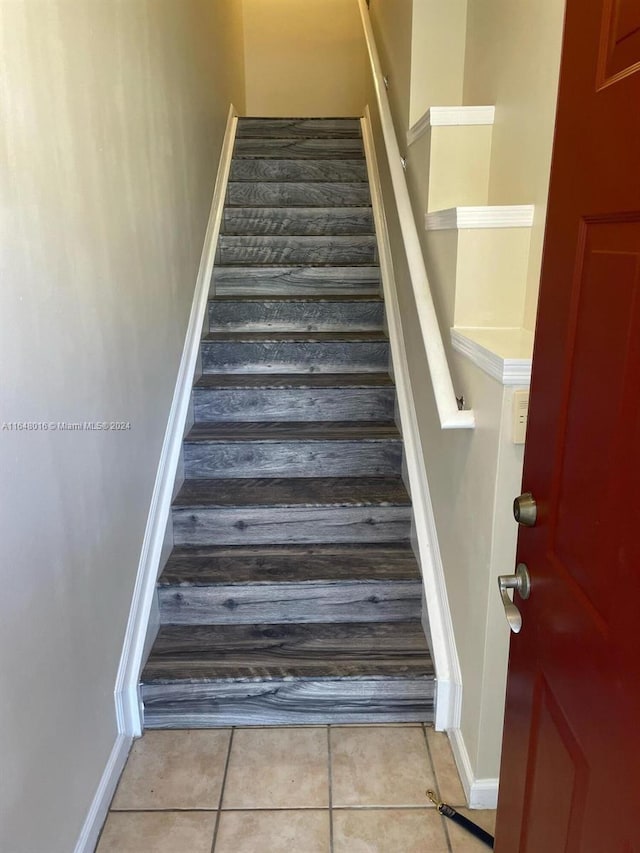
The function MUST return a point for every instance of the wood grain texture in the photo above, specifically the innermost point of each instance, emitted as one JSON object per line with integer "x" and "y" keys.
{"x": 303, "y": 193}
{"x": 289, "y": 563}
{"x": 280, "y": 524}
{"x": 295, "y": 279}
{"x": 297, "y": 220}
{"x": 289, "y": 702}
{"x": 291, "y": 313}
{"x": 208, "y": 652}
{"x": 295, "y": 458}
{"x": 284, "y": 602}
{"x": 352, "y": 249}
{"x": 284, "y": 492}
{"x": 266, "y": 355}
{"x": 305, "y": 127}
{"x": 298, "y": 170}
{"x": 290, "y": 148}
{"x": 300, "y": 403}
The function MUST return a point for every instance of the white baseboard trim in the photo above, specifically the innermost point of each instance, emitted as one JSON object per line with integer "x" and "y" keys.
{"x": 480, "y": 793}
{"x": 100, "y": 804}
{"x": 128, "y": 707}
{"x": 443, "y": 647}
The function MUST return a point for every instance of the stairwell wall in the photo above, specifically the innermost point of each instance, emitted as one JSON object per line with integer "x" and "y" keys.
{"x": 303, "y": 59}
{"x": 113, "y": 119}
{"x": 472, "y": 475}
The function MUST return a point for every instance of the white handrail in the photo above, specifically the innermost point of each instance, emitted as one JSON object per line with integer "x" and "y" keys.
{"x": 450, "y": 416}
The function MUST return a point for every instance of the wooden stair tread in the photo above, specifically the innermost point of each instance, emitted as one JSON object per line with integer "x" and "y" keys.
{"x": 293, "y": 380}
{"x": 312, "y": 298}
{"x": 338, "y": 650}
{"x": 288, "y": 431}
{"x": 293, "y": 492}
{"x": 288, "y": 564}
{"x": 295, "y": 336}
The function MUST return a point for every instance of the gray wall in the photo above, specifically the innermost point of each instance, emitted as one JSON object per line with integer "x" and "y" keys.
{"x": 112, "y": 121}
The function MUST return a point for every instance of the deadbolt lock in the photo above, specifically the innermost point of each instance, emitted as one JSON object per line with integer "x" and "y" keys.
{"x": 525, "y": 510}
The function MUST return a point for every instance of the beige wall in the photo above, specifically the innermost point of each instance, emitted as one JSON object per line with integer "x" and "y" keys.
{"x": 512, "y": 61}
{"x": 112, "y": 122}
{"x": 391, "y": 21}
{"x": 303, "y": 58}
{"x": 473, "y": 476}
{"x": 437, "y": 54}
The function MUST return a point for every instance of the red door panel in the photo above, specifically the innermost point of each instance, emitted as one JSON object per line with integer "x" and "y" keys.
{"x": 570, "y": 776}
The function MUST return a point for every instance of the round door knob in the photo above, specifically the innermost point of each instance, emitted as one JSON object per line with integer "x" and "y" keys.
{"x": 525, "y": 510}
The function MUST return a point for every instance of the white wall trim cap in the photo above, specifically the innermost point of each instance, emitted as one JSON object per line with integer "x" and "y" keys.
{"x": 102, "y": 800}
{"x": 480, "y": 793}
{"x": 505, "y": 354}
{"x": 450, "y": 117}
{"x": 483, "y": 216}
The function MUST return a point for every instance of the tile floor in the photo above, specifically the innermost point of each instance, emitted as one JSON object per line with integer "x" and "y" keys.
{"x": 316, "y": 789}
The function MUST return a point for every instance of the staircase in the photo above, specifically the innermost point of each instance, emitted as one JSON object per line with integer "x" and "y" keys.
{"x": 292, "y": 594}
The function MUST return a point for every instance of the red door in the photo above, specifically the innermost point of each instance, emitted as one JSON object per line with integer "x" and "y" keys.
{"x": 570, "y": 776}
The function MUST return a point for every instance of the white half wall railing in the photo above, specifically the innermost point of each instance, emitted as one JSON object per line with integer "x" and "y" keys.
{"x": 451, "y": 417}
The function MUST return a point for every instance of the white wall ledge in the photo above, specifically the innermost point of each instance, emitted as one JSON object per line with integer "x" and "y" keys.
{"x": 504, "y": 353}
{"x": 483, "y": 216}
{"x": 450, "y": 117}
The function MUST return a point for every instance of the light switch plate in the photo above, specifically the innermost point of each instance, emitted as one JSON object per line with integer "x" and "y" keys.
{"x": 520, "y": 412}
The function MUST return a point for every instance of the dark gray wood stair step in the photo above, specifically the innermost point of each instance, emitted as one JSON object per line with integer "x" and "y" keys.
{"x": 294, "y": 352}
{"x": 299, "y": 397}
{"x": 291, "y": 148}
{"x": 274, "y": 564}
{"x": 285, "y": 492}
{"x": 305, "y": 127}
{"x": 298, "y": 170}
{"x": 298, "y": 193}
{"x": 297, "y": 221}
{"x": 293, "y": 450}
{"x": 290, "y": 584}
{"x": 351, "y": 249}
{"x": 268, "y": 674}
{"x": 296, "y": 280}
{"x": 278, "y": 510}
{"x": 311, "y": 313}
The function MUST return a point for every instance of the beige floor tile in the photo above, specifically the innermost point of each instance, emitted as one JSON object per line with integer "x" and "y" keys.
{"x": 274, "y": 832}
{"x": 461, "y": 840}
{"x": 174, "y": 770}
{"x": 380, "y": 767}
{"x": 278, "y": 769}
{"x": 388, "y": 831}
{"x": 159, "y": 832}
{"x": 449, "y": 784}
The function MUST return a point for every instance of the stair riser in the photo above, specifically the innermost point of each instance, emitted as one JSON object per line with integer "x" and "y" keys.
{"x": 322, "y": 404}
{"x": 293, "y": 459}
{"x": 298, "y": 170}
{"x": 294, "y": 357}
{"x": 296, "y": 250}
{"x": 265, "y": 525}
{"x": 313, "y": 127}
{"x": 297, "y": 221}
{"x": 341, "y": 602}
{"x": 295, "y": 316}
{"x": 317, "y": 194}
{"x": 291, "y": 701}
{"x": 296, "y": 281}
{"x": 289, "y": 148}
